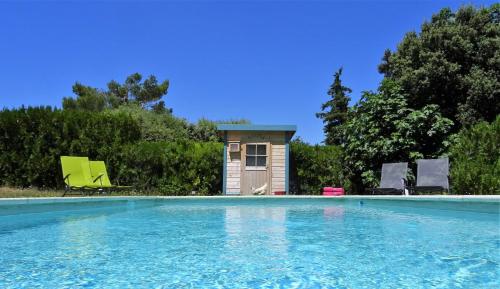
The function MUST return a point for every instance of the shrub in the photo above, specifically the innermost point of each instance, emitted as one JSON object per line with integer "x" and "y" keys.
{"x": 155, "y": 126}
{"x": 383, "y": 129}
{"x": 314, "y": 167}
{"x": 475, "y": 160}
{"x": 171, "y": 168}
{"x": 172, "y": 163}
{"x": 32, "y": 140}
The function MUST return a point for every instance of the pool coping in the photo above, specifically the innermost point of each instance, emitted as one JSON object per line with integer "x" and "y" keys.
{"x": 445, "y": 198}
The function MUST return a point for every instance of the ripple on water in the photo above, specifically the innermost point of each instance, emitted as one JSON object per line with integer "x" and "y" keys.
{"x": 218, "y": 245}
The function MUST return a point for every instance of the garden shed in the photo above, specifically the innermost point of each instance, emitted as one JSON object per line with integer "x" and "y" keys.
{"x": 256, "y": 158}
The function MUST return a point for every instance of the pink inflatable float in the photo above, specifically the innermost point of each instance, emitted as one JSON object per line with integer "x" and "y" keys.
{"x": 329, "y": 191}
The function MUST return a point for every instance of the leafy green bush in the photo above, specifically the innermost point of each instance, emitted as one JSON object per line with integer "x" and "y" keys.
{"x": 382, "y": 128}
{"x": 164, "y": 126}
{"x": 315, "y": 167}
{"x": 170, "y": 162}
{"x": 171, "y": 168}
{"x": 155, "y": 126}
{"x": 32, "y": 140}
{"x": 475, "y": 160}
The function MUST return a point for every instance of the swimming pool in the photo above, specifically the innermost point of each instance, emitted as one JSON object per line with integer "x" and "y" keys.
{"x": 249, "y": 243}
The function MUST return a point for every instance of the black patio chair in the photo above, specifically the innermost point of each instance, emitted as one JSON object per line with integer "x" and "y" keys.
{"x": 393, "y": 179}
{"x": 433, "y": 175}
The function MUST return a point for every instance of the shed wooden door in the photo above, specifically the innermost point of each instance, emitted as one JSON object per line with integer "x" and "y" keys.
{"x": 255, "y": 171}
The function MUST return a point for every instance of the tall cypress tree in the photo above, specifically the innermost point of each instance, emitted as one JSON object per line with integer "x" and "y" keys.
{"x": 334, "y": 111}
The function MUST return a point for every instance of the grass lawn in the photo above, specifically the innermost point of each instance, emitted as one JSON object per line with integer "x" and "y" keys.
{"x": 8, "y": 192}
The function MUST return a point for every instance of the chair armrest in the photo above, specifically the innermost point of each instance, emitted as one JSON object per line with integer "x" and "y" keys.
{"x": 98, "y": 178}
{"x": 68, "y": 185}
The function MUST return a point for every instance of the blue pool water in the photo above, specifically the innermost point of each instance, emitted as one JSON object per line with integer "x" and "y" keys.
{"x": 249, "y": 243}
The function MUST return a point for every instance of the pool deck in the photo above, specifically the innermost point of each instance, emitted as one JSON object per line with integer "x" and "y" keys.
{"x": 446, "y": 198}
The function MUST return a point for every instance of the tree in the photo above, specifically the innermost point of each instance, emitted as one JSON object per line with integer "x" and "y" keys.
{"x": 334, "y": 112}
{"x": 88, "y": 99}
{"x": 206, "y": 130}
{"x": 383, "y": 128}
{"x": 437, "y": 81}
{"x": 147, "y": 94}
{"x": 160, "y": 107}
{"x": 154, "y": 125}
{"x": 454, "y": 62}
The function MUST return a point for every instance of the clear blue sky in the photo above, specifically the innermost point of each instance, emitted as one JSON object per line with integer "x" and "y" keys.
{"x": 269, "y": 62}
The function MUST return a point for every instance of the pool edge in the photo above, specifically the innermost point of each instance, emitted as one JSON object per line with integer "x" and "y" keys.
{"x": 427, "y": 198}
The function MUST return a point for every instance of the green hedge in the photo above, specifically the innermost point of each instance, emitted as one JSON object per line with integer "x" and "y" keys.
{"x": 475, "y": 160}
{"x": 170, "y": 168}
{"x": 32, "y": 140}
{"x": 315, "y": 167}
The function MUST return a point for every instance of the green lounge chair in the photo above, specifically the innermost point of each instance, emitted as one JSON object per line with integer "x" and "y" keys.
{"x": 100, "y": 176}
{"x": 77, "y": 175}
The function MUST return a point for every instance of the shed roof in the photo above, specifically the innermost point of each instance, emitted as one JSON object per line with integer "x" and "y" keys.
{"x": 257, "y": 127}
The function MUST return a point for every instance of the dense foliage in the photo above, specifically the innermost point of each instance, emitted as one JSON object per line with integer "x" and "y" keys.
{"x": 153, "y": 152}
{"x": 334, "y": 112}
{"x": 315, "y": 167}
{"x": 156, "y": 126}
{"x": 33, "y": 139}
{"x": 437, "y": 82}
{"x": 147, "y": 93}
{"x": 453, "y": 62}
{"x": 127, "y": 126}
{"x": 384, "y": 129}
{"x": 171, "y": 168}
{"x": 475, "y": 159}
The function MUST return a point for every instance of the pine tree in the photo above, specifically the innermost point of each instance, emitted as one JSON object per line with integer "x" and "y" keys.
{"x": 147, "y": 94}
{"x": 334, "y": 112}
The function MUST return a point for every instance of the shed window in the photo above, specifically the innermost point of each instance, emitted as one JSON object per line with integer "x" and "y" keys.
{"x": 256, "y": 157}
